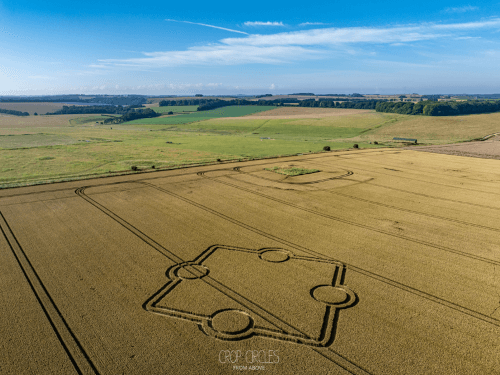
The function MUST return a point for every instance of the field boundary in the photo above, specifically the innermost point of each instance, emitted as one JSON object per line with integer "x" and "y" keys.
{"x": 72, "y": 346}
{"x": 94, "y": 176}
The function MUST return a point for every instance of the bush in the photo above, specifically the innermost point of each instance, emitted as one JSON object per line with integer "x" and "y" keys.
{"x": 355, "y": 145}
{"x": 326, "y": 148}
{"x": 134, "y": 168}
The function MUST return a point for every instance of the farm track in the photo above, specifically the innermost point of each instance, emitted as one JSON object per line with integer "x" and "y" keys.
{"x": 238, "y": 169}
{"x": 72, "y": 346}
{"x": 331, "y": 217}
{"x": 349, "y": 173}
{"x": 378, "y": 277}
{"x": 360, "y": 270}
{"x": 264, "y": 161}
{"x": 156, "y": 212}
{"x": 302, "y": 338}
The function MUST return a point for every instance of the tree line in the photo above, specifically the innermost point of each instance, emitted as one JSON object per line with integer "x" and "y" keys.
{"x": 99, "y": 109}
{"x": 224, "y": 103}
{"x": 13, "y": 112}
{"x": 129, "y": 113}
{"x": 327, "y": 103}
{"x": 167, "y": 103}
{"x": 206, "y": 104}
{"x": 132, "y": 115}
{"x": 432, "y": 108}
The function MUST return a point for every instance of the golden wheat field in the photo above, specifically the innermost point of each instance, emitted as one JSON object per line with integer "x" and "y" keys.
{"x": 385, "y": 261}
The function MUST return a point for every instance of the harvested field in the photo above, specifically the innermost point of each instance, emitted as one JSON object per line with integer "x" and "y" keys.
{"x": 32, "y": 107}
{"x": 383, "y": 262}
{"x": 306, "y": 112}
{"x": 488, "y": 149}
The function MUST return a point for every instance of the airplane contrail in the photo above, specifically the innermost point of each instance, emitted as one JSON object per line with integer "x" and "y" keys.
{"x": 203, "y": 24}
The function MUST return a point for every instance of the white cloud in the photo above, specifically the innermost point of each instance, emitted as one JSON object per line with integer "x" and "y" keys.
{"x": 259, "y": 23}
{"x": 494, "y": 22}
{"x": 463, "y": 9}
{"x": 272, "y": 87}
{"x": 311, "y": 23}
{"x": 333, "y": 36}
{"x": 218, "y": 55}
{"x": 203, "y": 24}
{"x": 286, "y": 47}
{"x": 382, "y": 35}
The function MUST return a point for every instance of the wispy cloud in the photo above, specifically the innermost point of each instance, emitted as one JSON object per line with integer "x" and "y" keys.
{"x": 399, "y": 64}
{"x": 383, "y": 35}
{"x": 287, "y": 47}
{"x": 492, "y": 23}
{"x": 212, "y": 26}
{"x": 337, "y": 36}
{"x": 312, "y": 23}
{"x": 218, "y": 55}
{"x": 259, "y": 23}
{"x": 463, "y": 9}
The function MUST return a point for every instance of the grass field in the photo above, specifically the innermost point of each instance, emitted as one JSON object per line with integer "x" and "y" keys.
{"x": 231, "y": 111}
{"x": 446, "y": 129}
{"x": 385, "y": 261}
{"x": 45, "y": 148}
{"x": 34, "y": 140}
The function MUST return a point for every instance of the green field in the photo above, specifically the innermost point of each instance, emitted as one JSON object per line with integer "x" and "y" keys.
{"x": 91, "y": 119}
{"x": 231, "y": 111}
{"x": 48, "y": 148}
{"x": 175, "y": 109}
{"x": 35, "y": 140}
{"x": 291, "y": 171}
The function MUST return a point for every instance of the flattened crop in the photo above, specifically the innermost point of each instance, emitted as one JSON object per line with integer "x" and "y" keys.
{"x": 291, "y": 171}
{"x": 384, "y": 261}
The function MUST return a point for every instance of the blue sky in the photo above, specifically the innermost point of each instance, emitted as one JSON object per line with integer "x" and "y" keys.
{"x": 257, "y": 47}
